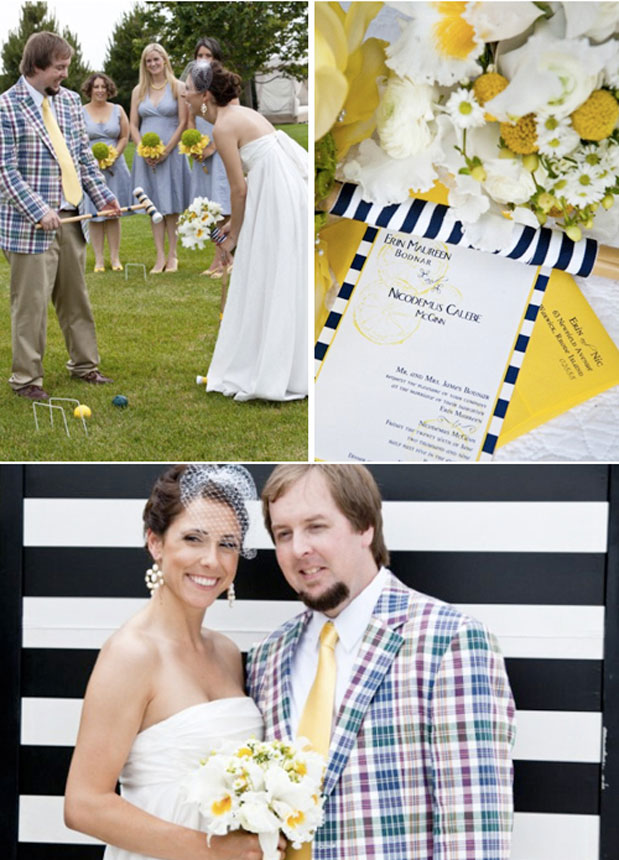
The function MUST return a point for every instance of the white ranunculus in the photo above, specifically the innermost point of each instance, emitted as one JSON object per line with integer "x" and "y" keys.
{"x": 549, "y": 75}
{"x": 386, "y": 180}
{"x": 403, "y": 115}
{"x": 598, "y": 21}
{"x": 507, "y": 181}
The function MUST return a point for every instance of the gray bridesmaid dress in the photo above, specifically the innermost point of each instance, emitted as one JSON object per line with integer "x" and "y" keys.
{"x": 212, "y": 182}
{"x": 167, "y": 184}
{"x": 117, "y": 176}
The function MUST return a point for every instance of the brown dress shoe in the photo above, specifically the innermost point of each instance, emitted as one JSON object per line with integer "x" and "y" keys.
{"x": 96, "y": 377}
{"x": 32, "y": 392}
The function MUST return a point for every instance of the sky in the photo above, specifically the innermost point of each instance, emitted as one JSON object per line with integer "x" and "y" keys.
{"x": 91, "y": 21}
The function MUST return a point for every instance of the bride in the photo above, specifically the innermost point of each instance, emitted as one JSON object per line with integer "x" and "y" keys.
{"x": 165, "y": 689}
{"x": 261, "y": 349}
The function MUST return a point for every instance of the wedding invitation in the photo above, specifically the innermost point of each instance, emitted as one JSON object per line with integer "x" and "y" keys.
{"x": 418, "y": 358}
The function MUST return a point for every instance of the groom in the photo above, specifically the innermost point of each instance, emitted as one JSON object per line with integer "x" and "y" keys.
{"x": 45, "y": 167}
{"x": 408, "y": 695}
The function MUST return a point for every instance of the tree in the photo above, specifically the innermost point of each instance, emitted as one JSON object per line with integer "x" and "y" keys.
{"x": 135, "y": 30}
{"x": 34, "y": 19}
{"x": 252, "y": 34}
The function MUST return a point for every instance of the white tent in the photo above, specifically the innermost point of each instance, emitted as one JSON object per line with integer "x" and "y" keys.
{"x": 281, "y": 98}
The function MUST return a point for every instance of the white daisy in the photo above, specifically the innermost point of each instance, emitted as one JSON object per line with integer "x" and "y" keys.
{"x": 464, "y": 109}
{"x": 555, "y": 137}
{"x": 583, "y": 186}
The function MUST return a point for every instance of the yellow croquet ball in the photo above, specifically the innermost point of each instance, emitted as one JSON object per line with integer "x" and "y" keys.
{"x": 82, "y": 411}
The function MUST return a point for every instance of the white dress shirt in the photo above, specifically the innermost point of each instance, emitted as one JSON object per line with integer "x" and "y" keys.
{"x": 351, "y": 625}
{"x": 37, "y": 98}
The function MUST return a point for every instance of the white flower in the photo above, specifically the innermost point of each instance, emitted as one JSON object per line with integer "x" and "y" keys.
{"x": 524, "y": 215}
{"x": 550, "y": 76}
{"x": 443, "y": 41}
{"x": 497, "y": 21}
{"x": 583, "y": 186}
{"x": 438, "y": 45}
{"x": 386, "y": 180}
{"x": 507, "y": 181}
{"x": 464, "y": 109}
{"x": 210, "y": 789}
{"x": 492, "y": 232}
{"x": 555, "y": 137}
{"x": 466, "y": 197}
{"x": 402, "y": 117}
{"x": 596, "y": 20}
{"x": 255, "y": 815}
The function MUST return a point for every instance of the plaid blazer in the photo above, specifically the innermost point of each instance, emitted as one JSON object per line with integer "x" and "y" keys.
{"x": 30, "y": 178}
{"x": 419, "y": 766}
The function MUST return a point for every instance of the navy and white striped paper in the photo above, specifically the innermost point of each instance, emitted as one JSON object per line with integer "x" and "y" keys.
{"x": 541, "y": 247}
{"x": 522, "y": 341}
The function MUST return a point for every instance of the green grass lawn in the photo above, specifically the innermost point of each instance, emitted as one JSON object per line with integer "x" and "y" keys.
{"x": 155, "y": 336}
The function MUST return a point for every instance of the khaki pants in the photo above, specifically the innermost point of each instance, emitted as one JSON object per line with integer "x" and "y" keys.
{"x": 57, "y": 274}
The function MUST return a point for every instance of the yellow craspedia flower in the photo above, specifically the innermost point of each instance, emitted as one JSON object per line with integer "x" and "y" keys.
{"x": 521, "y": 137}
{"x": 488, "y": 86}
{"x": 220, "y": 807}
{"x": 596, "y": 118}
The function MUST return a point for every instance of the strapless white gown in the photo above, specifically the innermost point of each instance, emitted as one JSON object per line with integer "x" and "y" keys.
{"x": 261, "y": 350}
{"x": 165, "y": 753}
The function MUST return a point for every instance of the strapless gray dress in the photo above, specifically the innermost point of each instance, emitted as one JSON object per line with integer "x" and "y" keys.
{"x": 167, "y": 184}
{"x": 117, "y": 176}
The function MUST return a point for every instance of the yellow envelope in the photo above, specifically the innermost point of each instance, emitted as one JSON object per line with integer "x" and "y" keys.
{"x": 570, "y": 358}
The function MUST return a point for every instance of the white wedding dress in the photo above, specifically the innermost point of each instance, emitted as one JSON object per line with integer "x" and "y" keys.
{"x": 165, "y": 753}
{"x": 261, "y": 349}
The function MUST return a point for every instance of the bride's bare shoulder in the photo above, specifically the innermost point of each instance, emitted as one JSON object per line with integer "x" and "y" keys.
{"x": 131, "y": 647}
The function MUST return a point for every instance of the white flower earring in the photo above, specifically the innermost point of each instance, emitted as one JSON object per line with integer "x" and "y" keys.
{"x": 203, "y": 109}
{"x": 154, "y": 578}
{"x": 231, "y": 595}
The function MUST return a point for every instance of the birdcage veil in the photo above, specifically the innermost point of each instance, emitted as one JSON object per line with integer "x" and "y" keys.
{"x": 230, "y": 485}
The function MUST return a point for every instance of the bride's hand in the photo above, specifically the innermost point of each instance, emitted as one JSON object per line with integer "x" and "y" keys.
{"x": 239, "y": 845}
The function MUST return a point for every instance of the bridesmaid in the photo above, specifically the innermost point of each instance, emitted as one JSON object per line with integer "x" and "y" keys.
{"x": 210, "y": 181}
{"x": 107, "y": 123}
{"x": 157, "y": 105}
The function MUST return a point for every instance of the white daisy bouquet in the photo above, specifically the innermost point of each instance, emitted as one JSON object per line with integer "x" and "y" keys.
{"x": 262, "y": 787}
{"x": 198, "y": 223}
{"x": 513, "y": 107}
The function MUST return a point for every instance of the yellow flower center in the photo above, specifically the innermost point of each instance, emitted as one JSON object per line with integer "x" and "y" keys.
{"x": 220, "y": 807}
{"x": 453, "y": 36}
{"x": 488, "y": 86}
{"x": 596, "y": 118}
{"x": 301, "y": 768}
{"x": 295, "y": 820}
{"x": 521, "y": 137}
{"x": 244, "y": 752}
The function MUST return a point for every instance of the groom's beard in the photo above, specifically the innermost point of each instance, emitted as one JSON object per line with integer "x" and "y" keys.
{"x": 328, "y": 600}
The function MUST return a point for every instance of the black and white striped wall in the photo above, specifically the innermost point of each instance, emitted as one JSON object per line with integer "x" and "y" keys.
{"x": 531, "y": 551}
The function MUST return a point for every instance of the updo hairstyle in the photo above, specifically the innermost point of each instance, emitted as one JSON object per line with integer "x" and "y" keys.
{"x": 214, "y": 78}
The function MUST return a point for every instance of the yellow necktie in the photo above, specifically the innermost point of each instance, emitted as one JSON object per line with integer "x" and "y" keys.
{"x": 71, "y": 187}
{"x": 315, "y": 723}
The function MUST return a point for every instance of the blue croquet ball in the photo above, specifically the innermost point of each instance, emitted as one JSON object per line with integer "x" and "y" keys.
{"x": 120, "y": 400}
